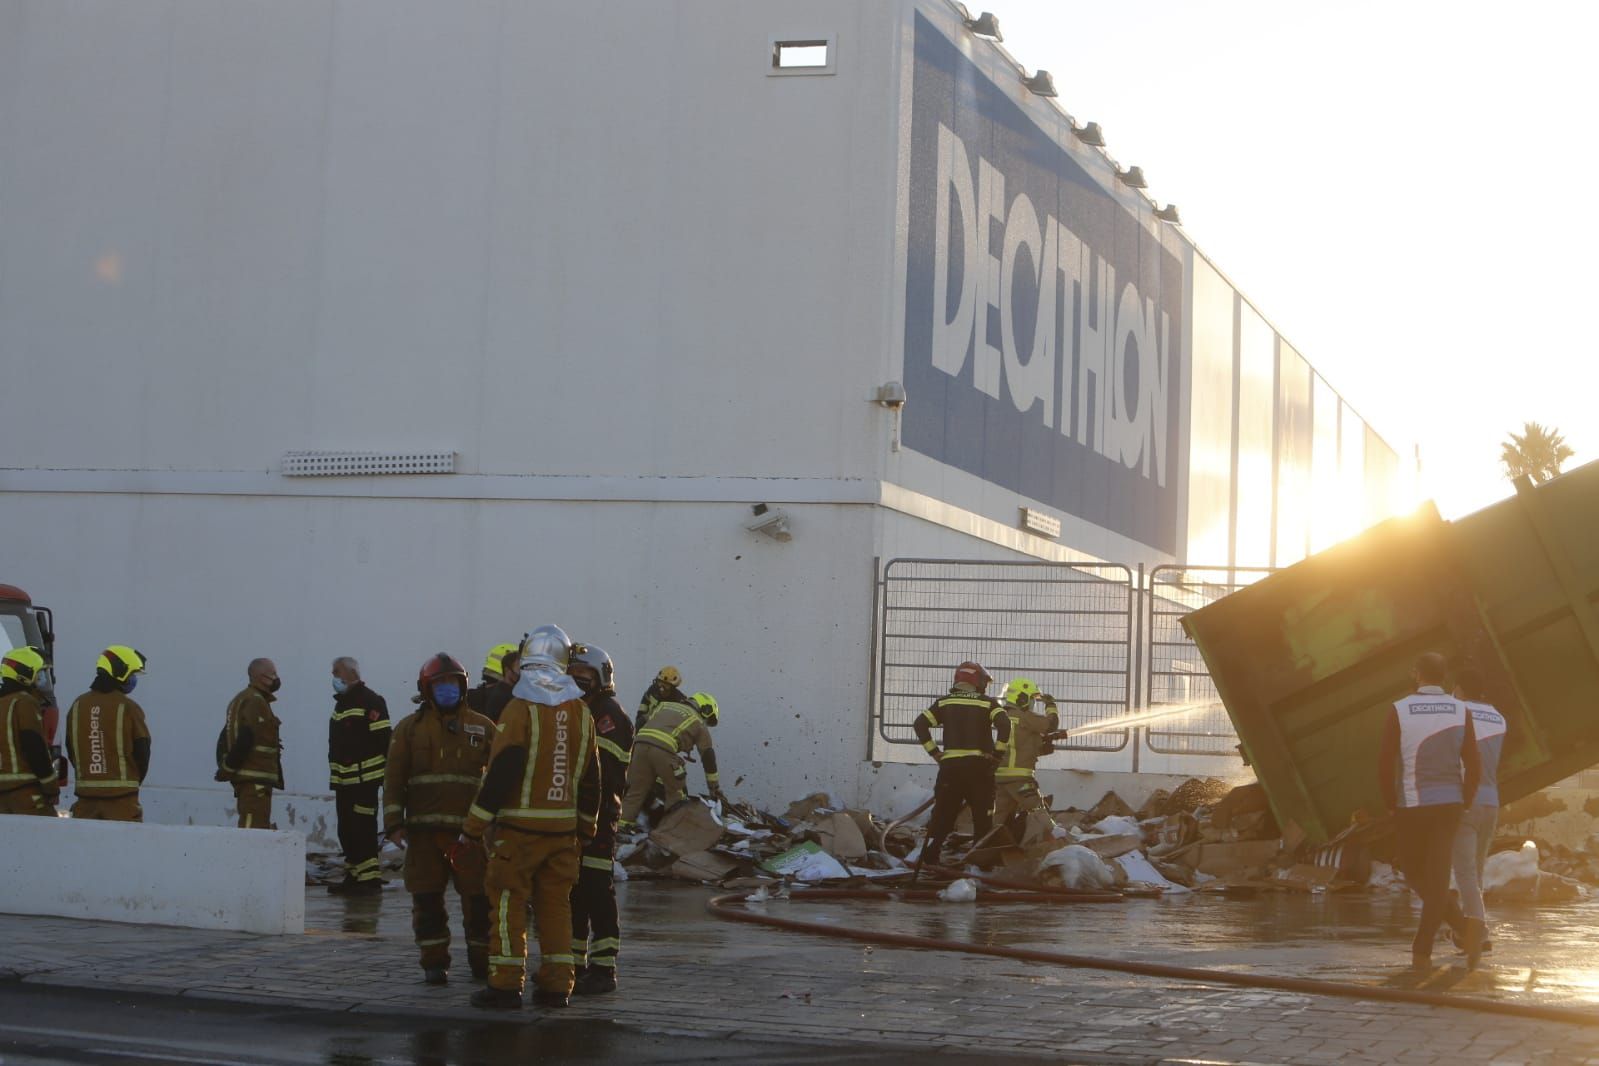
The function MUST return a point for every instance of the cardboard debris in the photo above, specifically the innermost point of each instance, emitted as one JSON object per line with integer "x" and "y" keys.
{"x": 687, "y": 829}
{"x": 704, "y": 866}
{"x": 1227, "y": 860}
{"x": 1109, "y": 804}
{"x": 807, "y": 862}
{"x": 839, "y": 836}
{"x": 805, "y": 810}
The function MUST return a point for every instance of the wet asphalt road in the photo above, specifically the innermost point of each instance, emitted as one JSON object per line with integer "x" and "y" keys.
{"x": 1541, "y": 954}
{"x": 41, "y": 1026}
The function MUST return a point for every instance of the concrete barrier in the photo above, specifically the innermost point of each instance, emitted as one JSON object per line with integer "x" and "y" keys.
{"x": 194, "y": 876}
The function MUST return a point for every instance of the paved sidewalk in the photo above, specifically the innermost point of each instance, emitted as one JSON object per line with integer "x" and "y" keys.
{"x": 686, "y": 972}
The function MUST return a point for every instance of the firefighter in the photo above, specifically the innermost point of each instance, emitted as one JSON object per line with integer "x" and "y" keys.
{"x": 499, "y": 677}
{"x": 539, "y": 802}
{"x": 976, "y": 734}
{"x": 1032, "y": 718}
{"x": 671, "y": 729}
{"x": 29, "y": 783}
{"x": 108, "y": 742}
{"x": 596, "y": 933}
{"x": 250, "y": 749}
{"x": 358, "y": 749}
{"x": 666, "y": 688}
{"x": 435, "y": 769}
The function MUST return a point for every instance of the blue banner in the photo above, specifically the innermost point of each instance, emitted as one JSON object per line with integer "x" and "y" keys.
{"x": 1043, "y": 320}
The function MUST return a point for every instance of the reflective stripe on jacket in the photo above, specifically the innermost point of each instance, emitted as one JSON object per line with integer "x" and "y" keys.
{"x": 102, "y": 731}
{"x": 972, "y": 724}
{"x": 435, "y": 767}
{"x": 358, "y": 737}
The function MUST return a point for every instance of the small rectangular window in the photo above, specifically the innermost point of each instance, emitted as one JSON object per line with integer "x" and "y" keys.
{"x": 812, "y": 55}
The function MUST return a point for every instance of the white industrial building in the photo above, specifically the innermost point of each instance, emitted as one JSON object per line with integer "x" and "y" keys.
{"x": 618, "y": 273}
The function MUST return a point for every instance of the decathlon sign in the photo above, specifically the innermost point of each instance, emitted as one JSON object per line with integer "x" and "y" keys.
{"x": 1043, "y": 319}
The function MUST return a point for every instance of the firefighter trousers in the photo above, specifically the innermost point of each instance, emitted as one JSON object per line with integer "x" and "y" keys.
{"x": 255, "y": 804}
{"x": 1016, "y": 795}
{"x": 648, "y": 765}
{"x": 357, "y": 809}
{"x": 540, "y": 868}
{"x": 26, "y": 800}
{"x": 596, "y": 931}
{"x": 967, "y": 781}
{"x": 109, "y": 808}
{"x": 427, "y": 874}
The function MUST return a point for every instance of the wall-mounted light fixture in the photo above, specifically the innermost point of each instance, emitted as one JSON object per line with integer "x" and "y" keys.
{"x": 772, "y": 521}
{"x": 1092, "y": 135}
{"x": 891, "y": 396}
{"x": 984, "y": 25}
{"x": 1041, "y": 84}
{"x": 1133, "y": 178}
{"x": 1169, "y": 214}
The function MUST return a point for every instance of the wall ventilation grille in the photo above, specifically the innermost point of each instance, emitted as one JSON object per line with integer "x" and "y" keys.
{"x": 347, "y": 464}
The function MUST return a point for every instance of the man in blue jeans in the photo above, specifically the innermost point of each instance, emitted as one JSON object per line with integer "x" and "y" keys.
{"x": 1477, "y": 822}
{"x": 1427, "y": 769}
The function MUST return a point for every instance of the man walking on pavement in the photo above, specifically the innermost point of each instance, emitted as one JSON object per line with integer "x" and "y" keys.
{"x": 1476, "y": 830}
{"x": 358, "y": 751}
{"x": 596, "y": 931}
{"x": 1427, "y": 767}
{"x": 670, "y": 730}
{"x": 435, "y": 769}
{"x": 108, "y": 742}
{"x": 540, "y": 796}
{"x": 1032, "y": 718}
{"x": 250, "y": 749}
{"x": 28, "y": 780}
{"x": 976, "y": 734}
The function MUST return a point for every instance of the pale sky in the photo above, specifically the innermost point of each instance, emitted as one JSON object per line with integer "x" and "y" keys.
{"x": 1407, "y": 190}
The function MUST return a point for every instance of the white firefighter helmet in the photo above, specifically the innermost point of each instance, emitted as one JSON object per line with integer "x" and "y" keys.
{"x": 547, "y": 646}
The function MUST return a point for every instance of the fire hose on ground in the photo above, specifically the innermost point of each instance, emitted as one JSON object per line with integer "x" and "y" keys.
{"x": 731, "y": 907}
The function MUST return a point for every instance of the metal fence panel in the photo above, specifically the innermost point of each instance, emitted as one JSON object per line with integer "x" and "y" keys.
{"x": 1068, "y": 626}
{"x": 1176, "y": 672}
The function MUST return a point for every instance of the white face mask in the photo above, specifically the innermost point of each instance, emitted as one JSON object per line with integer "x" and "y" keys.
{"x": 339, "y": 686}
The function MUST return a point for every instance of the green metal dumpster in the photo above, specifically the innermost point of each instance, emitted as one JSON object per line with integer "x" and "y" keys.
{"x": 1308, "y": 660}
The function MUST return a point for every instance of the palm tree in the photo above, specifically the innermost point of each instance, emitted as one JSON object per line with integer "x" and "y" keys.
{"x": 1536, "y": 452}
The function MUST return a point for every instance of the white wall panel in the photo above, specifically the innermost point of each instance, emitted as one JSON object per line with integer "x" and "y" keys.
{"x": 1257, "y": 360}
{"x": 1211, "y": 437}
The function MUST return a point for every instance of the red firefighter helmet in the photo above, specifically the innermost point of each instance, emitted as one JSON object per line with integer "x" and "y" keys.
{"x": 438, "y": 668}
{"x": 973, "y": 674}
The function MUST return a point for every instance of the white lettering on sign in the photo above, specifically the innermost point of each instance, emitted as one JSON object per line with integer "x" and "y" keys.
{"x": 97, "y": 764}
{"x": 1111, "y": 326}
{"x": 560, "y": 768}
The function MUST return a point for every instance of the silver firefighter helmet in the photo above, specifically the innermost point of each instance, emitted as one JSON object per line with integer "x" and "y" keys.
{"x": 547, "y": 646}
{"x": 597, "y": 659}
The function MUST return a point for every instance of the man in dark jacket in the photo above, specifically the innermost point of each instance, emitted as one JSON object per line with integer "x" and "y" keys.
{"x": 596, "y": 932}
{"x": 976, "y": 734}
{"x": 358, "y": 750}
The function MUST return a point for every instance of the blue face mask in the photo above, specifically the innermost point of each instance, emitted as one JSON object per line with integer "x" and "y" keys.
{"x": 339, "y": 685}
{"x": 446, "y": 695}
{"x": 131, "y": 683}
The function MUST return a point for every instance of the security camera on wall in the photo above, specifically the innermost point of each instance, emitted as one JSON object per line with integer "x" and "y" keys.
{"x": 772, "y": 521}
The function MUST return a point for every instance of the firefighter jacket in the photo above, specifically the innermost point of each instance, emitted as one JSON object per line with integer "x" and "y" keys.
{"x": 489, "y": 699}
{"x": 677, "y": 727}
{"x": 108, "y": 742}
{"x": 1027, "y": 744}
{"x": 973, "y": 725}
{"x": 254, "y": 751}
{"x": 544, "y": 772}
{"x": 358, "y": 738}
{"x": 435, "y": 768}
{"x": 654, "y": 696}
{"x": 25, "y": 760}
{"x": 613, "y": 735}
